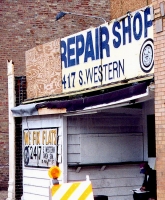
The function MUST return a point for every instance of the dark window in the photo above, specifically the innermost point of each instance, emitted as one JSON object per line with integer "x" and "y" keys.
{"x": 151, "y": 135}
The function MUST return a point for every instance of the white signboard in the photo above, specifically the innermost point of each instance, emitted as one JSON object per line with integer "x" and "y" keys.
{"x": 40, "y": 147}
{"x": 113, "y": 52}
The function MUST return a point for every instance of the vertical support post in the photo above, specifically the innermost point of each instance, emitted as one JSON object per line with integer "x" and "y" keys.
{"x": 64, "y": 150}
{"x": 11, "y": 104}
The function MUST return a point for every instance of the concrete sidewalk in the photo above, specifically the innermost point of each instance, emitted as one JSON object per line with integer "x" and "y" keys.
{"x": 3, "y": 195}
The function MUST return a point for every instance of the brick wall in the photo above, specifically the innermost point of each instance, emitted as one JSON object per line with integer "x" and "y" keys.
{"x": 121, "y": 7}
{"x": 159, "y": 67}
{"x": 4, "y": 160}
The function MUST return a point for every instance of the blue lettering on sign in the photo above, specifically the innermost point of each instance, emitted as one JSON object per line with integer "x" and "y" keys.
{"x": 105, "y": 43}
{"x": 89, "y": 73}
{"x": 147, "y": 23}
{"x": 71, "y": 51}
{"x": 95, "y": 74}
{"x": 96, "y": 43}
{"x": 89, "y": 49}
{"x": 116, "y": 43}
{"x": 79, "y": 47}
{"x": 100, "y": 76}
{"x": 63, "y": 53}
{"x": 75, "y": 47}
{"x": 80, "y": 77}
{"x": 137, "y": 18}
{"x": 126, "y": 29}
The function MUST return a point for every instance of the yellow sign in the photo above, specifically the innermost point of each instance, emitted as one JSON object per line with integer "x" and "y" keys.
{"x": 73, "y": 191}
{"x": 40, "y": 147}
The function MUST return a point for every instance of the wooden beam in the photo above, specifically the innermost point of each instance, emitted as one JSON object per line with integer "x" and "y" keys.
{"x": 47, "y": 111}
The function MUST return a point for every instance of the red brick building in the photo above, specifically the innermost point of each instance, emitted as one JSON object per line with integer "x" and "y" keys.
{"x": 25, "y": 24}
{"x": 159, "y": 37}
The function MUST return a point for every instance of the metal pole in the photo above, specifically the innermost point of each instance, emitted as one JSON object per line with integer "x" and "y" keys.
{"x": 91, "y": 16}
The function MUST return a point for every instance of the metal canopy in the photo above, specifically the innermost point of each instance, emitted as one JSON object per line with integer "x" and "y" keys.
{"x": 25, "y": 110}
{"x": 86, "y": 103}
{"x": 81, "y": 103}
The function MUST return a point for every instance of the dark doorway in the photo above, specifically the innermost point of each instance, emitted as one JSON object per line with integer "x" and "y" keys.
{"x": 151, "y": 135}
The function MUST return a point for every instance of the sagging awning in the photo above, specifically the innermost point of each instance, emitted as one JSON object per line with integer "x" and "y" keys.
{"x": 25, "y": 110}
{"x": 81, "y": 103}
{"x": 128, "y": 93}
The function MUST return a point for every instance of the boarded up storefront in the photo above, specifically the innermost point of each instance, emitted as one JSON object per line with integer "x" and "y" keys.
{"x": 95, "y": 122}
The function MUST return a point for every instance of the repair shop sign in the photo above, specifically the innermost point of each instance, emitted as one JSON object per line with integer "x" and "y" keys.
{"x": 119, "y": 50}
{"x": 40, "y": 147}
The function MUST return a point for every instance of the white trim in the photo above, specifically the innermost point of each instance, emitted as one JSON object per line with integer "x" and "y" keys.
{"x": 64, "y": 150}
{"x": 11, "y": 103}
{"x": 118, "y": 102}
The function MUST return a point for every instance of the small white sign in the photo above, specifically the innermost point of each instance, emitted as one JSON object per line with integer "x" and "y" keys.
{"x": 40, "y": 147}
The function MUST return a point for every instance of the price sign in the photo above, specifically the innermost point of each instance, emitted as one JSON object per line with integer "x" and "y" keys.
{"x": 40, "y": 147}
